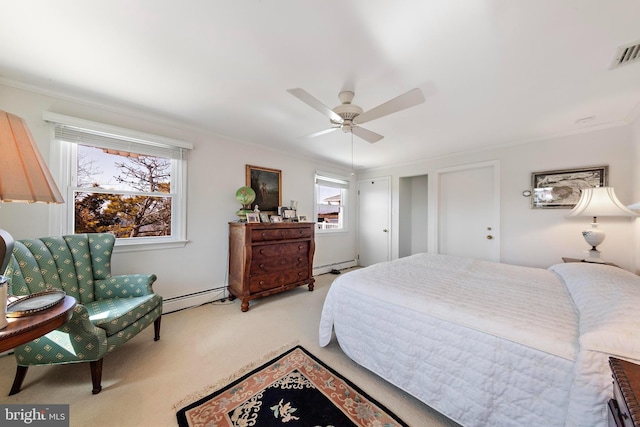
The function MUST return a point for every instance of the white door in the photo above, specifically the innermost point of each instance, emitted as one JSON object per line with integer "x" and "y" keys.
{"x": 374, "y": 221}
{"x": 468, "y": 211}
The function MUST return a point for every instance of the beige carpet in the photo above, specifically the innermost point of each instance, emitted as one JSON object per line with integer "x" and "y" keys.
{"x": 144, "y": 380}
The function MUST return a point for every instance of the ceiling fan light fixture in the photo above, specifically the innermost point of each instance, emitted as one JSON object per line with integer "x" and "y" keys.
{"x": 347, "y": 111}
{"x": 347, "y": 116}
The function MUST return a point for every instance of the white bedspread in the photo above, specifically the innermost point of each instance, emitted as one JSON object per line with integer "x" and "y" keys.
{"x": 483, "y": 343}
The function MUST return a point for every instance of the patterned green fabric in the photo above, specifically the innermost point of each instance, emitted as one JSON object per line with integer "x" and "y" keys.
{"x": 111, "y": 309}
{"x": 100, "y": 246}
{"x": 114, "y": 315}
{"x": 132, "y": 285}
{"x": 79, "y": 246}
{"x": 78, "y": 340}
{"x": 66, "y": 269}
{"x": 116, "y": 340}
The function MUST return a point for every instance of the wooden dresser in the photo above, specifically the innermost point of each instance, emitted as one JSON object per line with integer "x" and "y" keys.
{"x": 268, "y": 258}
{"x": 624, "y": 408}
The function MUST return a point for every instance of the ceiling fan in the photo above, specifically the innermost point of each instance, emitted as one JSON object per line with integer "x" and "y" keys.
{"x": 348, "y": 116}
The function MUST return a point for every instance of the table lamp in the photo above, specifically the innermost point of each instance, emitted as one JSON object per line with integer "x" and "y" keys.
{"x": 24, "y": 177}
{"x": 595, "y": 202}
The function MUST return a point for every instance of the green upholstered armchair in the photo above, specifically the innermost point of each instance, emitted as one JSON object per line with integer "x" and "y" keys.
{"x": 110, "y": 310}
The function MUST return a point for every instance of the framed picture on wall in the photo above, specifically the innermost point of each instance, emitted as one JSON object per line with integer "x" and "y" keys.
{"x": 561, "y": 188}
{"x": 267, "y": 183}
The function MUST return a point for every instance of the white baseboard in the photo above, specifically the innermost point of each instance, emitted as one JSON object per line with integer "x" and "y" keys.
{"x": 187, "y": 301}
{"x": 322, "y": 269}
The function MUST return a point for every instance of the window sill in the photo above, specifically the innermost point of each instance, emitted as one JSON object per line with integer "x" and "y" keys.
{"x": 123, "y": 247}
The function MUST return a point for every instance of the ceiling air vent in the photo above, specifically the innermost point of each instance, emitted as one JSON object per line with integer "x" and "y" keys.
{"x": 626, "y": 54}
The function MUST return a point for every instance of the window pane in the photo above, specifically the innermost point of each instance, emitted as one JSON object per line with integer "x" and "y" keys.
{"x": 330, "y": 211}
{"x": 124, "y": 171}
{"x": 125, "y": 216}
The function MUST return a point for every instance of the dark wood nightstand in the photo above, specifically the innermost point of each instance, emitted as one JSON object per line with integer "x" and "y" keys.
{"x": 567, "y": 259}
{"x": 624, "y": 408}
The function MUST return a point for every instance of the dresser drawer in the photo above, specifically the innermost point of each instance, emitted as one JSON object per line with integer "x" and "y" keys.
{"x": 623, "y": 411}
{"x": 269, "y": 258}
{"x": 624, "y": 408}
{"x": 261, "y": 252}
{"x": 263, "y": 235}
{"x": 613, "y": 415}
{"x": 277, "y": 264}
{"x": 264, "y": 282}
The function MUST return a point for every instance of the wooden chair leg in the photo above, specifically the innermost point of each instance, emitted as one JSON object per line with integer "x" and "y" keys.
{"x": 156, "y": 328}
{"x": 96, "y": 375}
{"x": 21, "y": 373}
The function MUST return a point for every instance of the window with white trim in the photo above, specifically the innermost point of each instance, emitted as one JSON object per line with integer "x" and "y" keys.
{"x": 331, "y": 202}
{"x": 119, "y": 181}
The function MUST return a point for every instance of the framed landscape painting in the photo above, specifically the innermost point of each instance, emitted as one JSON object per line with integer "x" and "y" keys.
{"x": 561, "y": 188}
{"x": 267, "y": 183}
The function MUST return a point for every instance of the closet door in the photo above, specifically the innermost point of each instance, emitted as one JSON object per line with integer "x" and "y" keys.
{"x": 468, "y": 211}
{"x": 374, "y": 221}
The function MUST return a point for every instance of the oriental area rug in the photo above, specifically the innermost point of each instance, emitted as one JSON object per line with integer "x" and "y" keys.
{"x": 293, "y": 389}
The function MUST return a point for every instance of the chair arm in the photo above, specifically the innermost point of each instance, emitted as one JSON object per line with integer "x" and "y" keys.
{"x": 75, "y": 341}
{"x": 125, "y": 286}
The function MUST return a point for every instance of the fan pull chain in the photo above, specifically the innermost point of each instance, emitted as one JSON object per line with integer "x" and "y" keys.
{"x": 352, "y": 171}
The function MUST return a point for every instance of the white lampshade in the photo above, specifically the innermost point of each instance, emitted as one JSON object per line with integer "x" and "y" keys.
{"x": 600, "y": 201}
{"x": 595, "y": 202}
{"x": 634, "y": 206}
{"x": 24, "y": 177}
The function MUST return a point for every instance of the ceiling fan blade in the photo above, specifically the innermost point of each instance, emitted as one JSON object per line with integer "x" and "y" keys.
{"x": 365, "y": 134}
{"x": 409, "y": 99}
{"x": 308, "y": 99}
{"x": 321, "y": 132}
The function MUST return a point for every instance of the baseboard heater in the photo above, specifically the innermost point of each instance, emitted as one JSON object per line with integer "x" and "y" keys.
{"x": 322, "y": 269}
{"x": 194, "y": 299}
{"x": 181, "y": 302}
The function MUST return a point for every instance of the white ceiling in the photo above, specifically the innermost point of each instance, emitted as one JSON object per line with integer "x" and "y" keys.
{"x": 494, "y": 72}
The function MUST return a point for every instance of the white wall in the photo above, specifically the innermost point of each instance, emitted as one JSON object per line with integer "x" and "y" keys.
{"x": 413, "y": 208}
{"x": 541, "y": 237}
{"x": 636, "y": 190}
{"x": 216, "y": 168}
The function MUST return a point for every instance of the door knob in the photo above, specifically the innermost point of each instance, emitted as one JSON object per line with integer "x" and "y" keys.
{"x": 489, "y": 237}
{"x": 385, "y": 230}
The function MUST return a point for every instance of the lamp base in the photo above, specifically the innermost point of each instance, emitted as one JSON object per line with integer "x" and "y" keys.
{"x": 593, "y": 255}
{"x": 4, "y": 284}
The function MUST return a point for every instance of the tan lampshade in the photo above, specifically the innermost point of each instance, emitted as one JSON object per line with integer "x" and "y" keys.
{"x": 24, "y": 175}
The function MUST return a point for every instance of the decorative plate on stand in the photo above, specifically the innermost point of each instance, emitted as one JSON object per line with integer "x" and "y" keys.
{"x": 35, "y": 303}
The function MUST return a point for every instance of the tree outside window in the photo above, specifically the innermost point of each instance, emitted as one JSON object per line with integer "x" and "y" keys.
{"x": 124, "y": 193}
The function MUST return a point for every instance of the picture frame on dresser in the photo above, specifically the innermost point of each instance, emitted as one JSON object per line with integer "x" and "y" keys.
{"x": 560, "y": 189}
{"x": 267, "y": 184}
{"x": 253, "y": 217}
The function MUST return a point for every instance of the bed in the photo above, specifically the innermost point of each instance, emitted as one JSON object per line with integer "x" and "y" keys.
{"x": 490, "y": 344}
